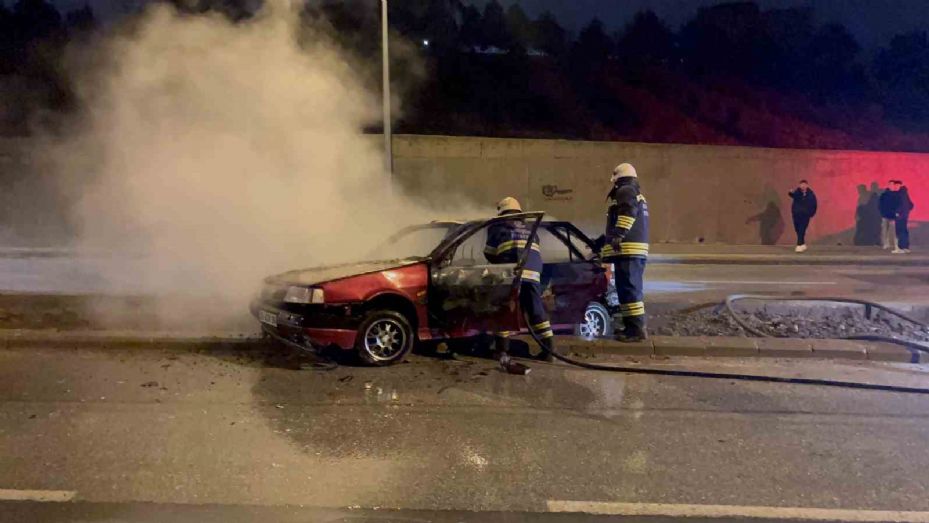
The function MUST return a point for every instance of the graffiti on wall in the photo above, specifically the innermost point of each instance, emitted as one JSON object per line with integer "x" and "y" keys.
{"x": 555, "y": 193}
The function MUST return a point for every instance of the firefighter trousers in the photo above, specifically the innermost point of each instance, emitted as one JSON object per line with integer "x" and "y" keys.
{"x": 629, "y": 276}
{"x": 530, "y": 302}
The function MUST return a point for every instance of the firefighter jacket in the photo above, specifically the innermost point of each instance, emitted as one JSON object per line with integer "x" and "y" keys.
{"x": 506, "y": 242}
{"x": 626, "y": 222}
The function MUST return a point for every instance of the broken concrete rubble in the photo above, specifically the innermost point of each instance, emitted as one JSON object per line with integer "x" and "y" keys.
{"x": 827, "y": 322}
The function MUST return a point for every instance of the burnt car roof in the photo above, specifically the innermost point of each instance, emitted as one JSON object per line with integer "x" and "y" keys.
{"x": 467, "y": 225}
{"x": 457, "y": 229}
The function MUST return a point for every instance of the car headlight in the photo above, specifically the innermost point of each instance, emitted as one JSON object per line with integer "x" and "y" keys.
{"x": 304, "y": 295}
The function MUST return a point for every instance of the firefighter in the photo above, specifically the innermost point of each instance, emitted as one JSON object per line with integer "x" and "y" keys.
{"x": 625, "y": 245}
{"x": 506, "y": 242}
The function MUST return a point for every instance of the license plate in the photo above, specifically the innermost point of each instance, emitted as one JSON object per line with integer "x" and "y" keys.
{"x": 267, "y": 317}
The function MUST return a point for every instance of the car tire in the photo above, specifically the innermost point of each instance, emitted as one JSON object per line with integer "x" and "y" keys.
{"x": 384, "y": 337}
{"x": 597, "y": 322}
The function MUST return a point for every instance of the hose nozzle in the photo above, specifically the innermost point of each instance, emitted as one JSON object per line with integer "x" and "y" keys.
{"x": 513, "y": 367}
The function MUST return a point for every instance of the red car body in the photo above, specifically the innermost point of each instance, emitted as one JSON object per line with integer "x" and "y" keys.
{"x": 443, "y": 295}
{"x": 409, "y": 283}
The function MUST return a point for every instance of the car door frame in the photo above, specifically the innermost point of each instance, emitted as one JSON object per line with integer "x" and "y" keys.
{"x": 509, "y": 317}
{"x": 594, "y": 267}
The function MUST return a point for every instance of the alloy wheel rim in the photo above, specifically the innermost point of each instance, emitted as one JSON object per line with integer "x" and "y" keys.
{"x": 384, "y": 339}
{"x": 593, "y": 324}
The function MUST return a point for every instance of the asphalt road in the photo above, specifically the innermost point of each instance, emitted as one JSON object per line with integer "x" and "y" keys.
{"x": 30, "y": 273}
{"x": 60, "y": 292}
{"x": 901, "y": 285}
{"x": 168, "y": 513}
{"x": 111, "y": 435}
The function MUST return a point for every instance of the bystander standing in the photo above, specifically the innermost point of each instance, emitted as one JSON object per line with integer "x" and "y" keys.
{"x": 904, "y": 206}
{"x": 888, "y": 204}
{"x": 802, "y": 210}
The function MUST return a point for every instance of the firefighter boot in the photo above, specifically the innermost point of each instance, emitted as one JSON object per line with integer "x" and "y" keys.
{"x": 548, "y": 349}
{"x": 633, "y": 331}
{"x": 619, "y": 325}
{"x": 501, "y": 354}
{"x": 501, "y": 348}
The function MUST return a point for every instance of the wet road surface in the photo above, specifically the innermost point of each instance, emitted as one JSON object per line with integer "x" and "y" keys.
{"x": 16, "y": 512}
{"x": 186, "y": 430}
{"x": 81, "y": 276}
{"x": 49, "y": 293}
{"x": 699, "y": 283}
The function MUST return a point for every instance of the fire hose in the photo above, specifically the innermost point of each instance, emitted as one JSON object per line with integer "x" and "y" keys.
{"x": 752, "y": 377}
{"x": 868, "y": 305}
{"x": 329, "y": 365}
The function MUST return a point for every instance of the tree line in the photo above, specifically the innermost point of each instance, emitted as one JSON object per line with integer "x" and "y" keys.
{"x": 734, "y": 73}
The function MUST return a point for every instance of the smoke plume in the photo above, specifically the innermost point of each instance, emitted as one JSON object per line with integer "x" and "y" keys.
{"x": 216, "y": 153}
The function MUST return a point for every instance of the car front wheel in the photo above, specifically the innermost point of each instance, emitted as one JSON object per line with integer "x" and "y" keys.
{"x": 385, "y": 337}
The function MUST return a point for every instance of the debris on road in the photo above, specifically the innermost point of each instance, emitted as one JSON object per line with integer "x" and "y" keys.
{"x": 802, "y": 323}
{"x": 150, "y": 384}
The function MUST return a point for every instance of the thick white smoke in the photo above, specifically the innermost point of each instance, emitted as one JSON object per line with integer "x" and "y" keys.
{"x": 225, "y": 152}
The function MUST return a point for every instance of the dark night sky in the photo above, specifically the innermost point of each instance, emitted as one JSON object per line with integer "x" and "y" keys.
{"x": 873, "y": 22}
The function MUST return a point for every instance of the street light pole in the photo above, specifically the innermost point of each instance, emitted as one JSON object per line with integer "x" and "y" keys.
{"x": 385, "y": 58}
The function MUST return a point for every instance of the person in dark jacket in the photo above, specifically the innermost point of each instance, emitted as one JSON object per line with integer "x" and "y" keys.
{"x": 625, "y": 245}
{"x": 904, "y": 206}
{"x": 802, "y": 210}
{"x": 888, "y": 204}
{"x": 506, "y": 242}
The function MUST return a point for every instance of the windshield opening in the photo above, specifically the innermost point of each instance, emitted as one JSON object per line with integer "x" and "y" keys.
{"x": 413, "y": 242}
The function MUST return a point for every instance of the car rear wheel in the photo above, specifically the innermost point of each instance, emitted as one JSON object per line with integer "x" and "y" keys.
{"x": 385, "y": 337}
{"x": 597, "y": 322}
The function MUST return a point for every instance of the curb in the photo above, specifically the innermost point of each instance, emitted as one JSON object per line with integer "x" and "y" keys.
{"x": 19, "y": 339}
{"x": 699, "y": 346}
{"x": 737, "y": 347}
{"x": 781, "y": 304}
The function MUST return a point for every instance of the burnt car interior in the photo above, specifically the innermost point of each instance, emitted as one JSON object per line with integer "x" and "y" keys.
{"x": 469, "y": 293}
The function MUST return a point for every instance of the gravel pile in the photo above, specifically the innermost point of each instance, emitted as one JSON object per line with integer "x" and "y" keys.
{"x": 825, "y": 323}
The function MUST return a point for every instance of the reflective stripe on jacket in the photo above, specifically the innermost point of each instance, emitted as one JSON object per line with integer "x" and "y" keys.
{"x": 626, "y": 220}
{"x": 506, "y": 242}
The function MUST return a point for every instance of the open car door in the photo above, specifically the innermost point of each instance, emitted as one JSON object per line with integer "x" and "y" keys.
{"x": 573, "y": 276}
{"x": 468, "y": 294}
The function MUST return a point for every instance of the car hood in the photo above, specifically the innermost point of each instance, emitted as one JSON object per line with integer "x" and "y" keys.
{"x": 316, "y": 275}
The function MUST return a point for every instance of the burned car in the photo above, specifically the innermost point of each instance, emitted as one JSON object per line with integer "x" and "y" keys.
{"x": 436, "y": 284}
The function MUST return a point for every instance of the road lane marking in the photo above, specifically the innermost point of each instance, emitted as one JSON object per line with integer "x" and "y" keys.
{"x": 767, "y": 282}
{"x": 48, "y": 496}
{"x": 736, "y": 511}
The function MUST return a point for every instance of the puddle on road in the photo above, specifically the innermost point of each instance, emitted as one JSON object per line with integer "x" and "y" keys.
{"x": 383, "y": 402}
{"x": 429, "y": 424}
{"x": 426, "y": 381}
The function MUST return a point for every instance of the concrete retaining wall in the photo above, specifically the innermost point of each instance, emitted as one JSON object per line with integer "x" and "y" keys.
{"x": 720, "y": 194}
{"x": 32, "y": 207}
{"x": 732, "y": 195}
